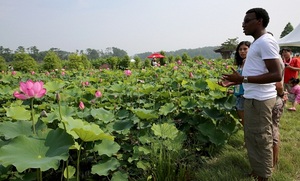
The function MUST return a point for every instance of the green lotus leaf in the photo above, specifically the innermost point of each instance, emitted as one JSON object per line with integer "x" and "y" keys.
{"x": 212, "y": 85}
{"x": 145, "y": 114}
{"x": 216, "y": 94}
{"x": 69, "y": 171}
{"x": 143, "y": 165}
{"x": 67, "y": 111}
{"x": 103, "y": 168}
{"x": 102, "y": 114}
{"x": 13, "y": 129}
{"x": 18, "y": 113}
{"x": 122, "y": 114}
{"x": 71, "y": 123}
{"x": 107, "y": 147}
{"x": 230, "y": 102}
{"x": 217, "y": 137}
{"x": 206, "y": 128}
{"x": 119, "y": 176}
{"x": 91, "y": 132}
{"x": 122, "y": 125}
{"x": 53, "y": 86}
{"x": 167, "y": 108}
{"x": 117, "y": 88}
{"x": 213, "y": 113}
{"x": 200, "y": 84}
{"x": 26, "y": 152}
{"x": 165, "y": 130}
{"x": 189, "y": 104}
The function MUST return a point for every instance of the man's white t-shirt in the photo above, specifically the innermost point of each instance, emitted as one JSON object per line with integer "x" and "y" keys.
{"x": 265, "y": 47}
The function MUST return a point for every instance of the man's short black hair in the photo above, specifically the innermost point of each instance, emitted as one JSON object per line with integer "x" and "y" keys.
{"x": 260, "y": 13}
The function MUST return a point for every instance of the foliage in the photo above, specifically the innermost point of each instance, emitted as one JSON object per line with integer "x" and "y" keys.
{"x": 232, "y": 162}
{"x": 140, "y": 125}
{"x": 3, "y": 65}
{"x": 52, "y": 61}
{"x": 124, "y": 62}
{"x": 78, "y": 62}
{"x": 24, "y": 62}
{"x": 287, "y": 29}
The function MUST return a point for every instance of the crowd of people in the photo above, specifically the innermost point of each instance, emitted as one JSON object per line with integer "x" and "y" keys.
{"x": 266, "y": 77}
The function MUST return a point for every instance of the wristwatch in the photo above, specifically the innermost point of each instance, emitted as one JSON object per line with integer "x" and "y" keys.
{"x": 245, "y": 80}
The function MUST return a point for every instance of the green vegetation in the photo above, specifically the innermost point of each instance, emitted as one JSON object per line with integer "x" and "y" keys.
{"x": 232, "y": 163}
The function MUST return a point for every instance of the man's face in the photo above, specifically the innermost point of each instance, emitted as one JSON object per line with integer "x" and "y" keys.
{"x": 249, "y": 24}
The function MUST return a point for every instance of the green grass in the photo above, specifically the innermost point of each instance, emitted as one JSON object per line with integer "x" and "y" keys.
{"x": 232, "y": 162}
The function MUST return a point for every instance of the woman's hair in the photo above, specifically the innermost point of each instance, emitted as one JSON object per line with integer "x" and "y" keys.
{"x": 294, "y": 81}
{"x": 238, "y": 59}
{"x": 260, "y": 13}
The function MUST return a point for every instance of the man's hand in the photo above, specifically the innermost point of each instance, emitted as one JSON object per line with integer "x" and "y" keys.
{"x": 234, "y": 77}
{"x": 226, "y": 83}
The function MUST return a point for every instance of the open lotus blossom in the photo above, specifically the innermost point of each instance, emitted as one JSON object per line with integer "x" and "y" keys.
{"x": 81, "y": 105}
{"x": 127, "y": 72}
{"x": 98, "y": 94}
{"x": 30, "y": 89}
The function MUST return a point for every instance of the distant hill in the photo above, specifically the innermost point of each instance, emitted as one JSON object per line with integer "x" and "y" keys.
{"x": 206, "y": 52}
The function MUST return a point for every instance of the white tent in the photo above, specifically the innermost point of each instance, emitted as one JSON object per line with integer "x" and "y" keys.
{"x": 291, "y": 39}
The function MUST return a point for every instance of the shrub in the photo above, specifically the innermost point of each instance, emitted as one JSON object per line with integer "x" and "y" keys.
{"x": 52, "y": 61}
{"x": 24, "y": 62}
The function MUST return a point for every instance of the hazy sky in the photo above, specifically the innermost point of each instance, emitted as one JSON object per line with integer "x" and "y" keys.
{"x": 135, "y": 26}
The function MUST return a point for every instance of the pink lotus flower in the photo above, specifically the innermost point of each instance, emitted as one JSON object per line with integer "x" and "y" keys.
{"x": 30, "y": 89}
{"x": 47, "y": 73}
{"x": 81, "y": 105}
{"x": 98, "y": 94}
{"x": 13, "y": 73}
{"x": 32, "y": 72}
{"x": 179, "y": 62}
{"x": 191, "y": 75}
{"x": 175, "y": 68}
{"x": 127, "y": 72}
{"x": 63, "y": 73}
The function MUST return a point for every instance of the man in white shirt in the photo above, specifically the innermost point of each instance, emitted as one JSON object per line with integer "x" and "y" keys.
{"x": 261, "y": 71}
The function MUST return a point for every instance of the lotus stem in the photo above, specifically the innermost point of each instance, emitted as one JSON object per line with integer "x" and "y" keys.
{"x": 32, "y": 116}
{"x": 78, "y": 159}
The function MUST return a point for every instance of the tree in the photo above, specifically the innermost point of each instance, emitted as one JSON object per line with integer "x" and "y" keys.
{"x": 287, "y": 29}
{"x": 227, "y": 48}
{"x": 92, "y": 54}
{"x": 6, "y": 53}
{"x": 24, "y": 62}
{"x": 124, "y": 63}
{"x": 118, "y": 52}
{"x": 3, "y": 66}
{"x": 52, "y": 61}
{"x": 20, "y": 49}
{"x": 113, "y": 62}
{"x": 34, "y": 52}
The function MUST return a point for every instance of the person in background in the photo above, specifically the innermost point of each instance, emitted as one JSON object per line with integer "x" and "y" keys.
{"x": 238, "y": 91}
{"x": 277, "y": 112}
{"x": 295, "y": 89}
{"x": 292, "y": 66}
{"x": 261, "y": 71}
{"x": 153, "y": 61}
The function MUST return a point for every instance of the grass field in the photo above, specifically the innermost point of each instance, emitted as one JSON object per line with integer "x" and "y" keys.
{"x": 232, "y": 162}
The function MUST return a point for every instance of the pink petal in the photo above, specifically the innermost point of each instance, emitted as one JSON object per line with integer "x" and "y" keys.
{"x": 36, "y": 87}
{"x": 41, "y": 93}
{"x": 20, "y": 96}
